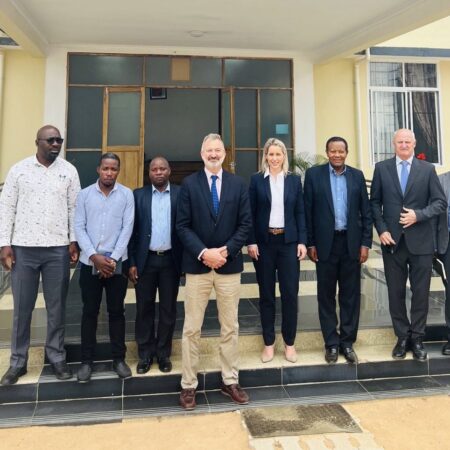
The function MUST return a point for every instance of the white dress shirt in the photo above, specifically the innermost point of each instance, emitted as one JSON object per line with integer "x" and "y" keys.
{"x": 276, "y": 219}
{"x": 37, "y": 204}
{"x": 218, "y": 181}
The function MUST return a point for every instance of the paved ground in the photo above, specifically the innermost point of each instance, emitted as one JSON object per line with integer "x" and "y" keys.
{"x": 420, "y": 423}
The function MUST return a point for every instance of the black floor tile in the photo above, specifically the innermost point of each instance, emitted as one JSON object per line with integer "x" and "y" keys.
{"x": 61, "y": 390}
{"x": 443, "y": 380}
{"x": 388, "y": 369}
{"x": 18, "y": 393}
{"x": 259, "y": 394}
{"x": 399, "y": 384}
{"x": 17, "y": 410}
{"x": 75, "y": 407}
{"x": 342, "y": 388}
{"x": 144, "y": 402}
{"x": 260, "y": 377}
{"x": 163, "y": 384}
{"x": 319, "y": 373}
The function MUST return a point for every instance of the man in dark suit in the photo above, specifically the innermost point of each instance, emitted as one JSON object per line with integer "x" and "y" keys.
{"x": 213, "y": 221}
{"x": 405, "y": 197}
{"x": 155, "y": 264}
{"x": 339, "y": 225}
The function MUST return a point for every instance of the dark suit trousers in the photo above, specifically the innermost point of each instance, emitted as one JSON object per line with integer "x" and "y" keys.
{"x": 396, "y": 268}
{"x": 339, "y": 269}
{"x": 278, "y": 257}
{"x": 91, "y": 293}
{"x": 445, "y": 258}
{"x": 159, "y": 273}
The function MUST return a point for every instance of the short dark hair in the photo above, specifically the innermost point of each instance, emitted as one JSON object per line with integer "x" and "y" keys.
{"x": 108, "y": 155}
{"x": 336, "y": 139}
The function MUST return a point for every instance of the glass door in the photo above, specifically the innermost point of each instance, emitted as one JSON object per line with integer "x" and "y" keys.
{"x": 227, "y": 128}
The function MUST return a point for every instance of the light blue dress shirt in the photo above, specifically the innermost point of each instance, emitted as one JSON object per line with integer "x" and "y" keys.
{"x": 398, "y": 164}
{"x": 104, "y": 223}
{"x": 339, "y": 192}
{"x": 160, "y": 232}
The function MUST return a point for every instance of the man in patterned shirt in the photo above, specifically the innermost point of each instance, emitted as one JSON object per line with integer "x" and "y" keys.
{"x": 37, "y": 239}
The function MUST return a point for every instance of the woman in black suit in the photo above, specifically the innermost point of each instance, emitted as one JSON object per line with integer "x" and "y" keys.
{"x": 277, "y": 243}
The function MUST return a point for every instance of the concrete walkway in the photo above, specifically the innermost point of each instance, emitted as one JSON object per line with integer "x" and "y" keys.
{"x": 420, "y": 423}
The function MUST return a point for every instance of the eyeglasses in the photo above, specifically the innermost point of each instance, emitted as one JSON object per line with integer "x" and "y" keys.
{"x": 52, "y": 140}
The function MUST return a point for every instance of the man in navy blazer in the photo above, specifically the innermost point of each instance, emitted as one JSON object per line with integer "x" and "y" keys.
{"x": 406, "y": 199}
{"x": 155, "y": 264}
{"x": 213, "y": 221}
{"x": 339, "y": 225}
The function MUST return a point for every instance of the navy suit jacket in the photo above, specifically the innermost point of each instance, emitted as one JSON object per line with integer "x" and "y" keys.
{"x": 423, "y": 194}
{"x": 261, "y": 204}
{"x": 320, "y": 219}
{"x": 199, "y": 228}
{"x": 140, "y": 239}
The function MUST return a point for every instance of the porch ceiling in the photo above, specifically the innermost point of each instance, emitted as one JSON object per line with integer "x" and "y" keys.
{"x": 320, "y": 30}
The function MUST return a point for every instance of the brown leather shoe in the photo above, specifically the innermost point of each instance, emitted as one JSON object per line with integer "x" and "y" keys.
{"x": 237, "y": 394}
{"x": 187, "y": 399}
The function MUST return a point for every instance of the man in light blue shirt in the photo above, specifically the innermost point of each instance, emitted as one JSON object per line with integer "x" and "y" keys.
{"x": 104, "y": 218}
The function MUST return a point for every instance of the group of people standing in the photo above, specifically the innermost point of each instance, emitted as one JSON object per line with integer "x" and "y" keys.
{"x": 153, "y": 235}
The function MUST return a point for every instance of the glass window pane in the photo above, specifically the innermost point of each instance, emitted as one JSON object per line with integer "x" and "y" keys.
{"x": 205, "y": 72}
{"x": 386, "y": 74}
{"x": 420, "y": 75}
{"x": 124, "y": 120}
{"x": 245, "y": 118}
{"x": 387, "y": 116}
{"x": 276, "y": 114}
{"x": 106, "y": 69}
{"x": 86, "y": 163}
{"x": 176, "y": 126}
{"x": 246, "y": 164}
{"x": 425, "y": 126}
{"x": 85, "y": 117}
{"x": 226, "y": 119}
{"x": 257, "y": 73}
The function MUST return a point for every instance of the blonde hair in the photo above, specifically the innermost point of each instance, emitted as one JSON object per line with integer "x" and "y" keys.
{"x": 277, "y": 143}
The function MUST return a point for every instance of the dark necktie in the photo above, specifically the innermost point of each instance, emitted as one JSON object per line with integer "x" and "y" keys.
{"x": 404, "y": 175}
{"x": 214, "y": 195}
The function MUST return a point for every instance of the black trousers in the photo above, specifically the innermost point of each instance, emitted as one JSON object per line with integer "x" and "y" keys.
{"x": 276, "y": 257}
{"x": 397, "y": 266}
{"x": 339, "y": 270}
{"x": 91, "y": 293}
{"x": 159, "y": 274}
{"x": 445, "y": 258}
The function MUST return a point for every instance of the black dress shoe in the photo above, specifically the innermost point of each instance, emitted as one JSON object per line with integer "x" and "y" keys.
{"x": 349, "y": 355}
{"x": 84, "y": 373}
{"x": 446, "y": 349}
{"x": 12, "y": 375}
{"x": 418, "y": 350}
{"x": 164, "y": 364}
{"x": 400, "y": 349}
{"x": 143, "y": 366}
{"x": 121, "y": 368}
{"x": 331, "y": 355}
{"x": 62, "y": 371}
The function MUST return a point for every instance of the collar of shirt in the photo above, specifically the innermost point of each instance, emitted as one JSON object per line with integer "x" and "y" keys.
{"x": 209, "y": 174}
{"x": 333, "y": 171}
{"x": 53, "y": 164}
{"x": 97, "y": 187}
{"x": 167, "y": 189}
{"x": 277, "y": 176}
{"x": 398, "y": 161}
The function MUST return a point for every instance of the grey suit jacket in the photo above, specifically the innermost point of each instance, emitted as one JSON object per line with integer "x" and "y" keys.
{"x": 442, "y": 225}
{"x": 423, "y": 194}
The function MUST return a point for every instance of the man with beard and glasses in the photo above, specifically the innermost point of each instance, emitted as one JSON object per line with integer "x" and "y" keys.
{"x": 155, "y": 264}
{"x": 104, "y": 218}
{"x": 213, "y": 222}
{"x": 37, "y": 240}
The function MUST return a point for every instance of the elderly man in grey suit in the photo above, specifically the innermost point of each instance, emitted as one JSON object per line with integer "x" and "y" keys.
{"x": 406, "y": 197}
{"x": 443, "y": 248}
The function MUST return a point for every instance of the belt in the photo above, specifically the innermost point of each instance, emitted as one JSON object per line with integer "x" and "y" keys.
{"x": 276, "y": 231}
{"x": 160, "y": 252}
{"x": 340, "y": 232}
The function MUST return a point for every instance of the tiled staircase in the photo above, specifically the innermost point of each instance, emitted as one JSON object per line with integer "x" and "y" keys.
{"x": 38, "y": 398}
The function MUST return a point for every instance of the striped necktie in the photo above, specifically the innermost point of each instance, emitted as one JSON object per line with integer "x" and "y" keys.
{"x": 214, "y": 195}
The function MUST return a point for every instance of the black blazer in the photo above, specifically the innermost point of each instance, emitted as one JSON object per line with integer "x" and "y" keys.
{"x": 424, "y": 194}
{"x": 261, "y": 204}
{"x": 198, "y": 228}
{"x": 140, "y": 239}
{"x": 320, "y": 220}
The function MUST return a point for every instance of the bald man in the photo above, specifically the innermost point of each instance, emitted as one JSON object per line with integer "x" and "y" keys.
{"x": 37, "y": 239}
{"x": 406, "y": 197}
